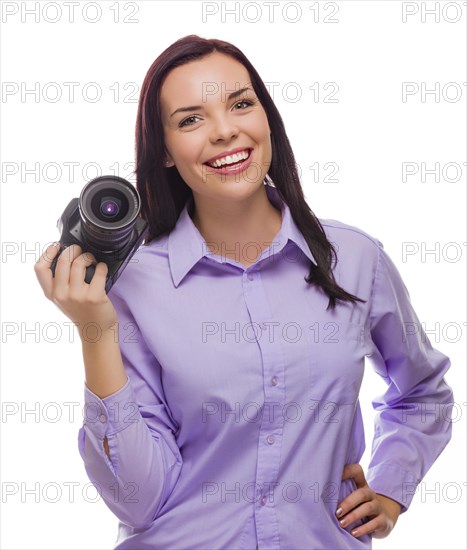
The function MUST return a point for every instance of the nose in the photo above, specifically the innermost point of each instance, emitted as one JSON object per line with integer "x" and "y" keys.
{"x": 223, "y": 129}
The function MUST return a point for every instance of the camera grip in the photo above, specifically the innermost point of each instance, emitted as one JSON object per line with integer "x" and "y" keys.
{"x": 89, "y": 273}
{"x": 89, "y": 270}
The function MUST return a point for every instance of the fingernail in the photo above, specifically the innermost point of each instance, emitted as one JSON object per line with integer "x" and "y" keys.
{"x": 338, "y": 512}
{"x": 354, "y": 532}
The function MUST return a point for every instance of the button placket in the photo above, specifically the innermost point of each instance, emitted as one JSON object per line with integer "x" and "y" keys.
{"x": 272, "y": 420}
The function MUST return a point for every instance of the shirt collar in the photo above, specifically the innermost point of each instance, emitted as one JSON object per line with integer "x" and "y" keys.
{"x": 186, "y": 245}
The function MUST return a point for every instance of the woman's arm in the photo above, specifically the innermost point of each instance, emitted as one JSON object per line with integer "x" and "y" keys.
{"x": 127, "y": 441}
{"x": 413, "y": 417}
{"x": 104, "y": 369}
{"x": 134, "y": 462}
{"x": 103, "y": 365}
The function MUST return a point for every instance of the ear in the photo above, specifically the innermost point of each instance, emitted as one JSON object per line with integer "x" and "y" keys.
{"x": 168, "y": 163}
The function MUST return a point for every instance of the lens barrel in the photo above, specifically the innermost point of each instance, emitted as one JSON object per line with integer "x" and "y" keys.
{"x": 108, "y": 207}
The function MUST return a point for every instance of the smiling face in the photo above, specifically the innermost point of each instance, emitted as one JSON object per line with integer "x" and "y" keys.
{"x": 209, "y": 109}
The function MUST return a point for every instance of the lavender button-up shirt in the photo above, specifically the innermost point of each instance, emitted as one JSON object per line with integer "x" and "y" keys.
{"x": 241, "y": 406}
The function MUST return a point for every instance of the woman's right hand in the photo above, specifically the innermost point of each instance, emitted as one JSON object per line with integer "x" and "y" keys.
{"x": 81, "y": 302}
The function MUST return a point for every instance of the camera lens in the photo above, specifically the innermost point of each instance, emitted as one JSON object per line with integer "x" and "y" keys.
{"x": 108, "y": 206}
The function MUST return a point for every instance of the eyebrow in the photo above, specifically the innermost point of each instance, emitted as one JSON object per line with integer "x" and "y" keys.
{"x": 233, "y": 95}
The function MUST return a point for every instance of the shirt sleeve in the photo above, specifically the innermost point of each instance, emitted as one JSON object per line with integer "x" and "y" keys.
{"x": 413, "y": 417}
{"x": 145, "y": 461}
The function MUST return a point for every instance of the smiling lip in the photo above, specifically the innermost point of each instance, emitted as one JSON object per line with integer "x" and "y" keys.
{"x": 226, "y": 153}
{"x": 225, "y": 170}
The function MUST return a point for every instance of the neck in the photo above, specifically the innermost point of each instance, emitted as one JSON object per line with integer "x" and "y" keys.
{"x": 237, "y": 230}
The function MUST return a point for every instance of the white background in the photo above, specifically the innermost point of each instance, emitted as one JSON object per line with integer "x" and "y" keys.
{"x": 369, "y": 51}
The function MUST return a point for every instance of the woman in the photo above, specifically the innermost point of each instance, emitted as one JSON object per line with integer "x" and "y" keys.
{"x": 226, "y": 413}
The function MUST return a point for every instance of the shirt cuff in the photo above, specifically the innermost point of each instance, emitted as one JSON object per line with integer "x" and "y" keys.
{"x": 394, "y": 482}
{"x": 113, "y": 413}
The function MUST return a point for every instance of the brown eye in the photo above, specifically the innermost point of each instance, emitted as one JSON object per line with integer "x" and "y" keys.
{"x": 244, "y": 102}
{"x": 186, "y": 121}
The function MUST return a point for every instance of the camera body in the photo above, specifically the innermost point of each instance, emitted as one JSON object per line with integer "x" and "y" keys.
{"x": 104, "y": 221}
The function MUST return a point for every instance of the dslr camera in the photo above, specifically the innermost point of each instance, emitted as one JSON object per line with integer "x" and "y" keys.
{"x": 105, "y": 221}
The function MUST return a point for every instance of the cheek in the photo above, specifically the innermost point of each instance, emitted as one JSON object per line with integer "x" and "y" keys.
{"x": 186, "y": 151}
{"x": 262, "y": 130}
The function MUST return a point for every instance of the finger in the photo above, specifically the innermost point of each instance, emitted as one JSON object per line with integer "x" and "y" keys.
{"x": 78, "y": 272}
{"x": 47, "y": 257}
{"x": 361, "y": 512}
{"x": 356, "y": 498}
{"x": 355, "y": 471}
{"x": 62, "y": 269}
{"x": 365, "y": 529}
{"x": 97, "y": 284}
{"x": 42, "y": 269}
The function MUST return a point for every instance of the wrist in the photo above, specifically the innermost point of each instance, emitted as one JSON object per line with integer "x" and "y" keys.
{"x": 93, "y": 333}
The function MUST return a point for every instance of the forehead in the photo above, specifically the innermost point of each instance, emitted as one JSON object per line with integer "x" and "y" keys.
{"x": 211, "y": 77}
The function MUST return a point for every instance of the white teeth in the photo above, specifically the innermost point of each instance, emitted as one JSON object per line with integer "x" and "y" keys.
{"x": 230, "y": 159}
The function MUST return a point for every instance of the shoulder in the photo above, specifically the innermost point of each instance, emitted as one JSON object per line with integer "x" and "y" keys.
{"x": 352, "y": 243}
{"x": 350, "y": 235}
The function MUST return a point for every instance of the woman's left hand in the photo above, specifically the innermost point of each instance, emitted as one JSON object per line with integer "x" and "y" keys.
{"x": 381, "y": 511}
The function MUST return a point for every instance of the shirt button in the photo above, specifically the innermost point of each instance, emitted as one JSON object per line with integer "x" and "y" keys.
{"x": 271, "y": 439}
{"x": 263, "y": 500}
{"x": 250, "y": 276}
{"x": 274, "y": 380}
{"x": 102, "y": 418}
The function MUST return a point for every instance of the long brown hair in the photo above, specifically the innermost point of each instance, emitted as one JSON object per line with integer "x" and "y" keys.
{"x": 164, "y": 193}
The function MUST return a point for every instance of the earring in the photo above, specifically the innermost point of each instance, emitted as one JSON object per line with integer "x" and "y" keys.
{"x": 268, "y": 180}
